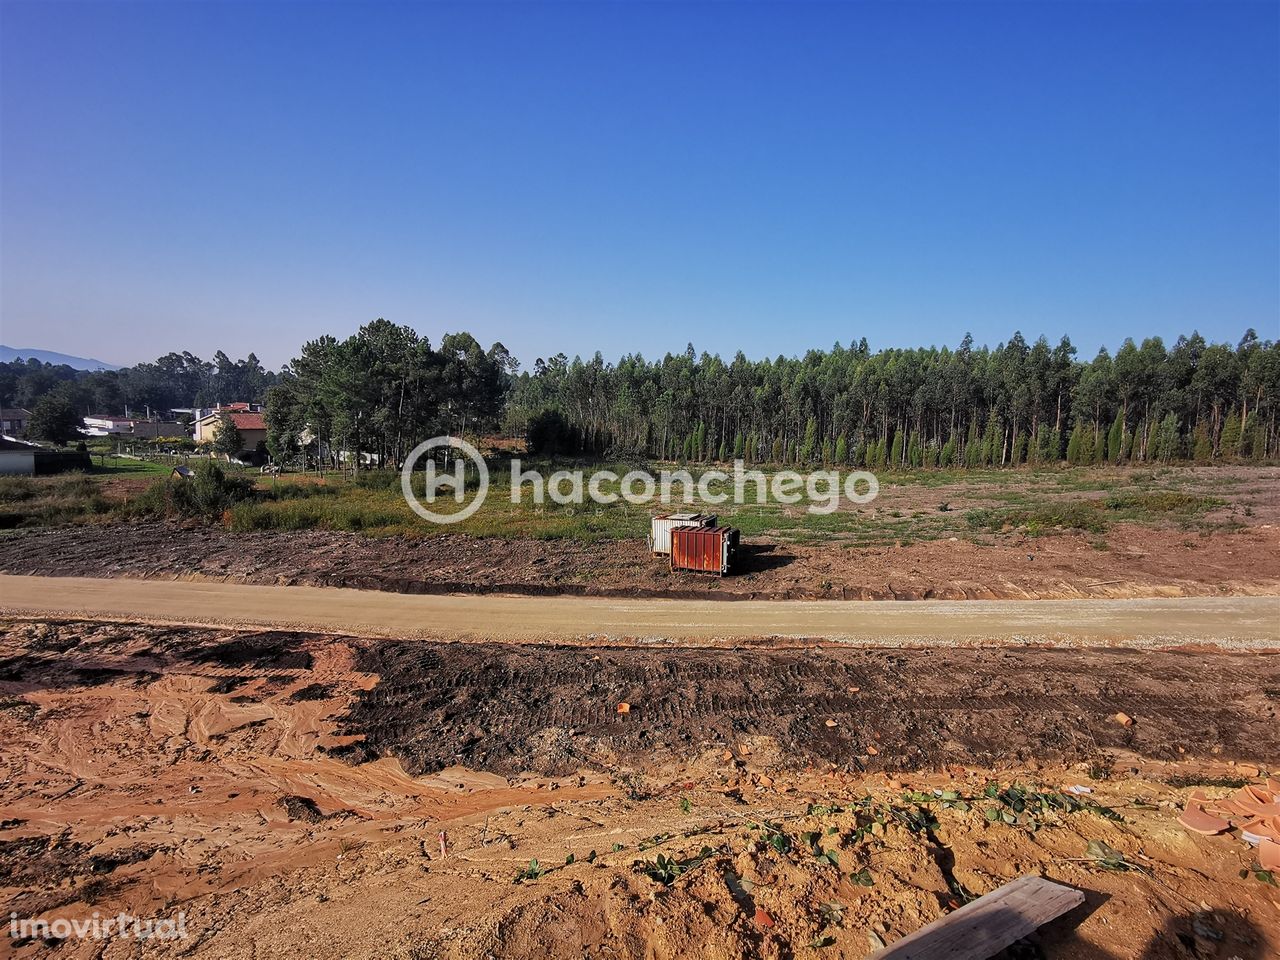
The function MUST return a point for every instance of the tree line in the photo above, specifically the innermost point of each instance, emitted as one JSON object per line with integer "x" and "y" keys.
{"x": 969, "y": 406}
{"x": 174, "y": 380}
{"x": 382, "y": 390}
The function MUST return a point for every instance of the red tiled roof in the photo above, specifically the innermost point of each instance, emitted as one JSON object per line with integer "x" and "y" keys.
{"x": 248, "y": 421}
{"x": 243, "y": 421}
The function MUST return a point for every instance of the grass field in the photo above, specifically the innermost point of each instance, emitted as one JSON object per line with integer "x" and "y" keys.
{"x": 911, "y": 506}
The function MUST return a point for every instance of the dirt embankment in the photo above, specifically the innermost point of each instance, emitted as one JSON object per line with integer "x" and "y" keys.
{"x": 227, "y": 774}
{"x": 1138, "y": 562}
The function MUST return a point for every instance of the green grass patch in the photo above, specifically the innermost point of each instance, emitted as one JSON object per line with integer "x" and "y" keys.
{"x": 49, "y": 501}
{"x": 1162, "y": 501}
{"x": 1043, "y": 518}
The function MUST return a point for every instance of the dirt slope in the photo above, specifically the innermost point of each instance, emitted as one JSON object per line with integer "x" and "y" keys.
{"x": 222, "y": 773}
{"x": 1136, "y": 562}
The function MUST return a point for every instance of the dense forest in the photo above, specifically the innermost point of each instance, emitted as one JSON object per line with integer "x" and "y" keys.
{"x": 382, "y": 391}
{"x": 385, "y": 388}
{"x": 968, "y": 406}
{"x": 175, "y": 380}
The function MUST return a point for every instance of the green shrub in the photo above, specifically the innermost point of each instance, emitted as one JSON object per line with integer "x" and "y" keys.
{"x": 1068, "y": 515}
{"x": 1162, "y": 501}
{"x": 42, "y": 502}
{"x": 206, "y": 495}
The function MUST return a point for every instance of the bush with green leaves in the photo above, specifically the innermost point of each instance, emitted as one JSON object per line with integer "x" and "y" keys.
{"x": 206, "y": 495}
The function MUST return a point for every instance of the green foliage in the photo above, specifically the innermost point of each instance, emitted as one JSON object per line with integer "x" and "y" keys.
{"x": 550, "y": 434}
{"x": 895, "y": 457}
{"x": 1201, "y": 445}
{"x": 1162, "y": 501}
{"x": 227, "y": 439}
{"x": 665, "y": 870}
{"x": 1107, "y": 857}
{"x": 1232, "y": 431}
{"x": 1029, "y": 808}
{"x": 809, "y": 446}
{"x": 532, "y": 872}
{"x": 1115, "y": 439}
{"x": 54, "y": 419}
{"x": 1066, "y": 515}
{"x": 208, "y": 494}
{"x": 1073, "y": 447}
{"x": 46, "y": 501}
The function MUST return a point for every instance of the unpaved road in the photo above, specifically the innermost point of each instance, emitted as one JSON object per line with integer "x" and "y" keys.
{"x": 1234, "y": 621}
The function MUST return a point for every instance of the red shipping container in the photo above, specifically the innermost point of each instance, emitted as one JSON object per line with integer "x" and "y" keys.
{"x": 703, "y": 549}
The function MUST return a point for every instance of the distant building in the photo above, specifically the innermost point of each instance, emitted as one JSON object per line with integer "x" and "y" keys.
{"x": 252, "y": 427}
{"x": 102, "y": 425}
{"x": 13, "y": 421}
{"x": 105, "y": 426}
{"x": 17, "y": 458}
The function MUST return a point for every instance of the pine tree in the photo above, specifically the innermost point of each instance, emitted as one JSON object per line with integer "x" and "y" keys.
{"x": 1089, "y": 453}
{"x": 1073, "y": 446}
{"x": 1115, "y": 439}
{"x": 896, "y": 449}
{"x": 1201, "y": 445}
{"x": 1229, "y": 442}
{"x": 778, "y": 450}
{"x": 1165, "y": 445}
{"x": 809, "y": 447}
{"x": 842, "y": 450}
{"x": 1019, "y": 454}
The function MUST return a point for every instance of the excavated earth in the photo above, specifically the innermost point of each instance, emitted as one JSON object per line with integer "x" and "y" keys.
{"x": 1137, "y": 562}
{"x": 286, "y": 793}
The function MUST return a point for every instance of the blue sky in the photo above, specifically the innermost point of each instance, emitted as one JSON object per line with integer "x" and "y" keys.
{"x": 631, "y": 177}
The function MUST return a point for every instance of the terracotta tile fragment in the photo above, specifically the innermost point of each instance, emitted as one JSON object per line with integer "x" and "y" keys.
{"x": 1269, "y": 855}
{"x": 1197, "y": 821}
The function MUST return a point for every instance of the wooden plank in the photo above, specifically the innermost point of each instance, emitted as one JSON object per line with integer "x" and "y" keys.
{"x": 986, "y": 926}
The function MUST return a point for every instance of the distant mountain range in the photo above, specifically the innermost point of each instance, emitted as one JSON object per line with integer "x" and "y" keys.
{"x": 50, "y": 356}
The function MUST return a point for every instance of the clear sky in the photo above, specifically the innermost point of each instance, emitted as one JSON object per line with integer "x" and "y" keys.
{"x": 631, "y": 177}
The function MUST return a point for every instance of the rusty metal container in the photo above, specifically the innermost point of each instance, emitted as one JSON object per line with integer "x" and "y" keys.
{"x": 704, "y": 549}
{"x": 661, "y": 526}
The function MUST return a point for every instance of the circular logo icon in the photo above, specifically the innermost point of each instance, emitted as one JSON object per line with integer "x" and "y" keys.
{"x": 454, "y": 480}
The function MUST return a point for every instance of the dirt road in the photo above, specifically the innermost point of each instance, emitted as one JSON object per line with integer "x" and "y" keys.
{"x": 1232, "y": 621}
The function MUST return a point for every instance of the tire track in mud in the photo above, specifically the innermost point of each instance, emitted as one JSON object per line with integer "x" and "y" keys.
{"x": 513, "y": 708}
{"x": 509, "y": 708}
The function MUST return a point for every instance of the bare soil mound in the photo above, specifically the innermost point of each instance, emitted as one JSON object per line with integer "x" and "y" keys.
{"x": 1137, "y": 562}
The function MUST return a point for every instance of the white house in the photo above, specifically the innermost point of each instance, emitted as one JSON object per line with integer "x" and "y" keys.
{"x": 17, "y": 458}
